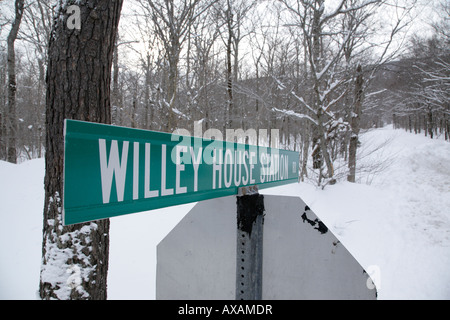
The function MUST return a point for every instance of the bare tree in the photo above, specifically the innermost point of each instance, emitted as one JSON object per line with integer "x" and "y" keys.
{"x": 336, "y": 40}
{"x": 171, "y": 21}
{"x": 355, "y": 126}
{"x": 204, "y": 34}
{"x": 12, "y": 85}
{"x": 324, "y": 54}
{"x": 36, "y": 32}
{"x": 3, "y": 105}
{"x": 232, "y": 17}
{"x": 422, "y": 96}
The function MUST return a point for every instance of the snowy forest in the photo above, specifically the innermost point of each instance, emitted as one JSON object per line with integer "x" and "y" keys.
{"x": 319, "y": 71}
{"x": 324, "y": 73}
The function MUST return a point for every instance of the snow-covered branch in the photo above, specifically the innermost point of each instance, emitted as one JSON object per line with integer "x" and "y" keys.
{"x": 294, "y": 114}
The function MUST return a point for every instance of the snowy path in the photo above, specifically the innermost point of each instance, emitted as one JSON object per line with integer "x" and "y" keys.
{"x": 417, "y": 185}
{"x": 398, "y": 226}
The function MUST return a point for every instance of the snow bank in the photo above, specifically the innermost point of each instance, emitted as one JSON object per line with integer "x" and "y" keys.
{"x": 21, "y": 210}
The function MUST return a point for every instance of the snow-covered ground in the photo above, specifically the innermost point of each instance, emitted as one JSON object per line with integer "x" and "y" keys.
{"x": 396, "y": 223}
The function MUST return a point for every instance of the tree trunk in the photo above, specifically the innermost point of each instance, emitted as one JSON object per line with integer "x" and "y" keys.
{"x": 324, "y": 145}
{"x": 75, "y": 258}
{"x": 2, "y": 111}
{"x": 40, "y": 107}
{"x": 12, "y": 86}
{"x": 147, "y": 123}
{"x": 430, "y": 122}
{"x": 355, "y": 119}
{"x": 173, "y": 85}
{"x": 446, "y": 127}
{"x": 2, "y": 144}
{"x": 305, "y": 136}
{"x": 115, "y": 109}
{"x": 229, "y": 111}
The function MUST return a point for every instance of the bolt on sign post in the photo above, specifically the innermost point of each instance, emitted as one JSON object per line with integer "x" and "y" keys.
{"x": 111, "y": 171}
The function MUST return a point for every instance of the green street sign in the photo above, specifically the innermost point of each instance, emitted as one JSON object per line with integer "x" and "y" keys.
{"x": 111, "y": 171}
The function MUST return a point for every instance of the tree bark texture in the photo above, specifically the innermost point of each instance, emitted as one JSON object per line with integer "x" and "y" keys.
{"x": 229, "y": 111}
{"x": 2, "y": 123}
{"x": 355, "y": 126}
{"x": 75, "y": 258}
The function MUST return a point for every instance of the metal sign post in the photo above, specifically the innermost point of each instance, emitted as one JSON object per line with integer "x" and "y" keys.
{"x": 249, "y": 257}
